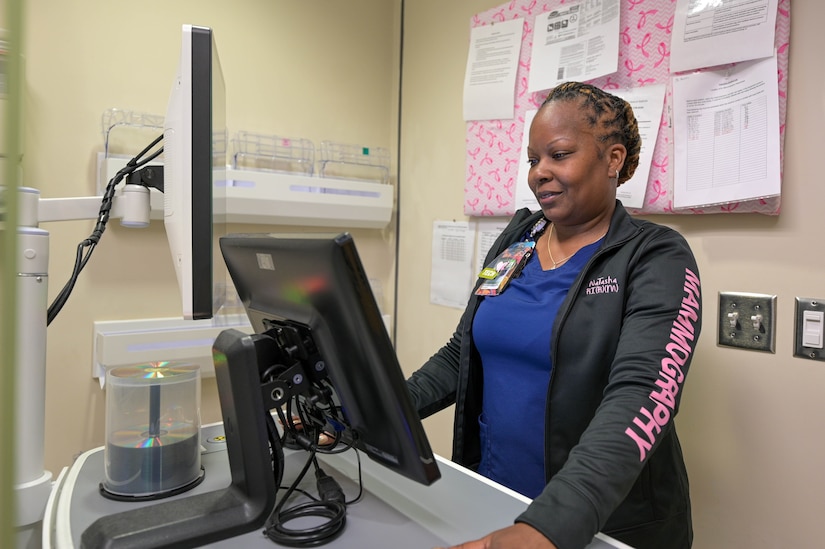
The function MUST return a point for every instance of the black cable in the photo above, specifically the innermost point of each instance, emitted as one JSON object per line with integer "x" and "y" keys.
{"x": 331, "y": 506}
{"x": 102, "y": 218}
{"x": 353, "y": 501}
{"x": 360, "y": 480}
{"x": 276, "y": 449}
{"x": 331, "y": 503}
{"x": 302, "y": 428}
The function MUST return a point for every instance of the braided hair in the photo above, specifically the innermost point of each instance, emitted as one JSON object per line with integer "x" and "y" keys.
{"x": 611, "y": 115}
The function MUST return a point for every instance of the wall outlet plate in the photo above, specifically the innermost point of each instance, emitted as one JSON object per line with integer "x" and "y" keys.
{"x": 799, "y": 349}
{"x": 747, "y": 321}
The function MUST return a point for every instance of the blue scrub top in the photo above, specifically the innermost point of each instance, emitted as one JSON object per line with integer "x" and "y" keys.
{"x": 512, "y": 333}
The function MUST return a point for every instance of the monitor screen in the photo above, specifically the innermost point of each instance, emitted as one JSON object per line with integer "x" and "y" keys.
{"x": 194, "y": 146}
{"x": 318, "y": 284}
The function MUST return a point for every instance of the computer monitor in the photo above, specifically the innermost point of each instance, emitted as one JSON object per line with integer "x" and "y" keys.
{"x": 317, "y": 285}
{"x": 194, "y": 147}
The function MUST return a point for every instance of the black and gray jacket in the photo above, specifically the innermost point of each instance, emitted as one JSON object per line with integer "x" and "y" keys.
{"x": 622, "y": 344}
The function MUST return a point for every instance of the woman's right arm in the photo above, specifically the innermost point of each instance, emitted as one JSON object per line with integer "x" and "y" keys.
{"x": 433, "y": 386}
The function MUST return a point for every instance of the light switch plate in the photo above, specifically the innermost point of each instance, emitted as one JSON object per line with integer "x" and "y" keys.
{"x": 806, "y": 304}
{"x": 747, "y": 321}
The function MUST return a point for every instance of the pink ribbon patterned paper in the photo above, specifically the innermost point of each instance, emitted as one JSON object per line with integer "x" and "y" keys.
{"x": 493, "y": 146}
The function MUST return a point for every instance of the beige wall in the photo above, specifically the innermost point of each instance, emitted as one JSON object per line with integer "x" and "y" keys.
{"x": 750, "y": 423}
{"x": 320, "y": 70}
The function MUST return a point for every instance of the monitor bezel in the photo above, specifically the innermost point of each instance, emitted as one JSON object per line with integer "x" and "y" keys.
{"x": 318, "y": 281}
{"x": 195, "y": 115}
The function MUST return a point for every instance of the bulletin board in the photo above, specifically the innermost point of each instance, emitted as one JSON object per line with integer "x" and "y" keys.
{"x": 644, "y": 59}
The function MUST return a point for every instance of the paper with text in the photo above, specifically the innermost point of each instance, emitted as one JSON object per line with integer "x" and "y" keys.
{"x": 451, "y": 277}
{"x": 647, "y": 103}
{"x": 708, "y": 33}
{"x": 490, "y": 78}
{"x": 726, "y": 128}
{"x": 524, "y": 197}
{"x": 577, "y": 41}
{"x": 488, "y": 229}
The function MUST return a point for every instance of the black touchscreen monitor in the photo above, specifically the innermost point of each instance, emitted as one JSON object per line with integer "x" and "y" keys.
{"x": 317, "y": 282}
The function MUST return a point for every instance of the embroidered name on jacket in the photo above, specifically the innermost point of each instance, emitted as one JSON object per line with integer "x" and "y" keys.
{"x": 602, "y": 285}
{"x": 649, "y": 422}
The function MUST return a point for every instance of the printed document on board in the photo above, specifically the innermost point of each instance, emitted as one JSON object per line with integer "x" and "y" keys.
{"x": 524, "y": 197}
{"x": 451, "y": 278}
{"x": 726, "y": 135}
{"x": 576, "y": 41}
{"x": 647, "y": 103}
{"x": 709, "y": 33}
{"x": 487, "y": 231}
{"x": 490, "y": 77}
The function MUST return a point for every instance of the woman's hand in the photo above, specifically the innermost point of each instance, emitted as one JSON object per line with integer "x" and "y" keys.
{"x": 518, "y": 536}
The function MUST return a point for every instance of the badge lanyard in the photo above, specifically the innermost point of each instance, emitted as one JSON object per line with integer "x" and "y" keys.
{"x": 509, "y": 263}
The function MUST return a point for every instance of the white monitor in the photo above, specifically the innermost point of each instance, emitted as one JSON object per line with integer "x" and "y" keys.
{"x": 194, "y": 165}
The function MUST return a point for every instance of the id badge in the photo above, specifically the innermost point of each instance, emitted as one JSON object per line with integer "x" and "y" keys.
{"x": 504, "y": 268}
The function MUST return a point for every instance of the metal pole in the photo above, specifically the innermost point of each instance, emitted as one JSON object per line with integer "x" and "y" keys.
{"x": 32, "y": 483}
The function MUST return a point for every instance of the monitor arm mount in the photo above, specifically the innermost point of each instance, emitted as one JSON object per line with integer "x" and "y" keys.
{"x": 149, "y": 176}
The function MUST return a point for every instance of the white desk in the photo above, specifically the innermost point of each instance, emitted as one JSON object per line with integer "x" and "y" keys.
{"x": 458, "y": 507}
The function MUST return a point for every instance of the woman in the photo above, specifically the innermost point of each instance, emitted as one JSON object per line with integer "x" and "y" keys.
{"x": 567, "y": 373}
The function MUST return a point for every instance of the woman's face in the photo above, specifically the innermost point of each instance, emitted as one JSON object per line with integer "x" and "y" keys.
{"x": 571, "y": 173}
